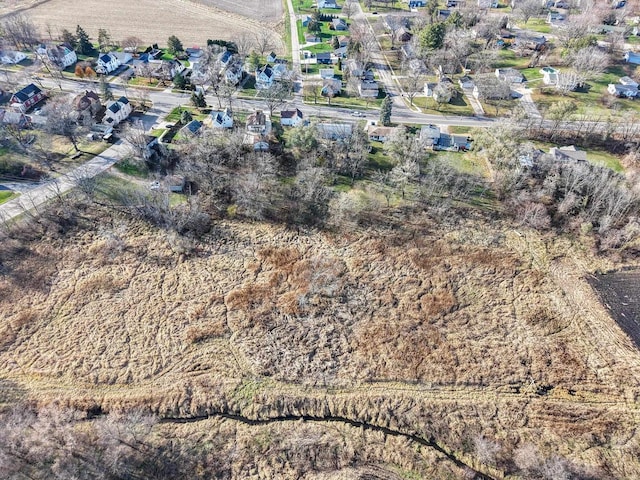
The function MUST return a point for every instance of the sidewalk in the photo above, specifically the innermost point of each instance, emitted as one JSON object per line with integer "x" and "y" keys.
{"x": 36, "y": 197}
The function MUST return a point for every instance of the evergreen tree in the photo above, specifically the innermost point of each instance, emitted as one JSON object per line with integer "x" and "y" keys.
{"x": 84, "y": 44}
{"x": 69, "y": 38}
{"x": 198, "y": 100}
{"x": 432, "y": 36}
{"x": 385, "y": 111}
{"x": 105, "y": 89}
{"x": 335, "y": 43}
{"x": 179, "y": 81}
{"x": 254, "y": 60}
{"x": 185, "y": 117}
{"x": 175, "y": 45}
{"x": 104, "y": 40}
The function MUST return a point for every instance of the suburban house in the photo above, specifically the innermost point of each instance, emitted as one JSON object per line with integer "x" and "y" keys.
{"x": 625, "y": 91}
{"x": 632, "y": 57}
{"x": 233, "y": 73}
{"x": 306, "y": 20}
{"x": 568, "y": 153}
{"x": 117, "y": 111}
{"x": 291, "y": 118}
{"x": 510, "y": 75}
{"x": 343, "y": 41}
{"x": 549, "y": 75}
{"x": 259, "y": 123}
{"x": 327, "y": 4}
{"x": 219, "y": 119}
{"x": 334, "y": 131}
{"x": 555, "y": 18}
{"x": 264, "y": 77}
{"x": 225, "y": 57}
{"x": 193, "y": 52}
{"x": 452, "y": 142}
{"x": 466, "y": 82}
{"x": 417, "y": 65}
{"x": 123, "y": 57}
{"x": 443, "y": 14}
{"x": 26, "y": 98}
{"x": 353, "y": 67}
{"x": 324, "y": 58}
{"x": 271, "y": 58}
{"x": 191, "y": 129}
{"x": 11, "y": 57}
{"x": 379, "y": 133}
{"x": 485, "y": 3}
{"x": 428, "y": 88}
{"x": 327, "y": 73}
{"x": 429, "y": 135}
{"x": 87, "y": 105}
{"x": 163, "y": 69}
{"x": 62, "y": 55}
{"x": 280, "y": 71}
{"x": 16, "y": 119}
{"x": 628, "y": 81}
{"x": 417, "y": 3}
{"x": 339, "y": 24}
{"x": 107, "y": 63}
{"x": 408, "y": 51}
{"x": 368, "y": 89}
{"x": 331, "y": 87}
{"x": 311, "y": 38}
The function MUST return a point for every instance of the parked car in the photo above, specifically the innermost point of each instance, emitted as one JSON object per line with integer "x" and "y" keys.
{"x": 357, "y": 114}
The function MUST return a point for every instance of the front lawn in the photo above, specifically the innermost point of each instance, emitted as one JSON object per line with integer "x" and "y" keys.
{"x": 6, "y": 195}
{"x": 457, "y": 106}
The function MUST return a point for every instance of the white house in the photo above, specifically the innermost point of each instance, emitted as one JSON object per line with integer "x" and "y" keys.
{"x": 272, "y": 57}
{"x": 368, "y": 89}
{"x": 11, "y": 57}
{"x": 233, "y": 73}
{"x": 510, "y": 75}
{"x": 291, "y": 118}
{"x": 107, "y": 63}
{"x": 117, "y": 111}
{"x": 549, "y": 75}
{"x": 628, "y": 81}
{"x": 334, "y": 131}
{"x": 219, "y": 119}
{"x": 280, "y": 71}
{"x": 428, "y": 88}
{"x": 264, "y": 77}
{"x": 327, "y": 73}
{"x": 123, "y": 57}
{"x": 62, "y": 55}
{"x": 259, "y": 123}
{"x": 632, "y": 57}
{"x": 620, "y": 90}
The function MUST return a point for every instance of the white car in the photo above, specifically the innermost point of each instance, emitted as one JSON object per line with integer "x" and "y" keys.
{"x": 357, "y": 114}
{"x": 154, "y": 186}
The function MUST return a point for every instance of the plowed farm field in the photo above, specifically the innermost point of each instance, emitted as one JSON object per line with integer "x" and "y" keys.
{"x": 153, "y": 21}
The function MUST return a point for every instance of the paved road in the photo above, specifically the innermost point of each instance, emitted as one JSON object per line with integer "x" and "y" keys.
{"x": 41, "y": 194}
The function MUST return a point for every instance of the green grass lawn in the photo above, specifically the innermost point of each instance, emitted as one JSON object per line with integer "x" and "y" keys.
{"x": 464, "y": 162}
{"x": 6, "y": 195}
{"x": 605, "y": 159}
{"x": 300, "y": 29}
{"x": 303, "y": 6}
{"x": 134, "y": 169}
{"x": 537, "y": 25}
{"x": 378, "y": 159}
{"x": 457, "y": 106}
{"x": 508, "y": 59}
{"x": 320, "y": 48}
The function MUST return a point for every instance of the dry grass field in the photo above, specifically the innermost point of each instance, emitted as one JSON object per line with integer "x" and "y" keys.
{"x": 452, "y": 331}
{"x": 153, "y": 20}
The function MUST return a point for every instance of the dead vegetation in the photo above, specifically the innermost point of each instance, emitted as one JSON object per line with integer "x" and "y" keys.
{"x": 453, "y": 330}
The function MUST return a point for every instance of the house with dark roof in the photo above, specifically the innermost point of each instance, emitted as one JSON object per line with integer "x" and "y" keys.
{"x": 567, "y": 153}
{"x": 291, "y": 118}
{"x": 338, "y": 24}
{"x": 107, "y": 63}
{"x": 26, "y": 98}
{"x": 334, "y": 131}
{"x": 368, "y": 89}
{"x": 86, "y": 105}
{"x": 191, "y": 129}
{"x": 331, "y": 87}
{"x": 509, "y": 75}
{"x": 622, "y": 91}
{"x": 324, "y": 58}
{"x": 259, "y": 122}
{"x": 219, "y": 119}
{"x": 225, "y": 57}
{"x": 264, "y": 77}
{"x": 62, "y": 55}
{"x": 272, "y": 57}
{"x": 117, "y": 111}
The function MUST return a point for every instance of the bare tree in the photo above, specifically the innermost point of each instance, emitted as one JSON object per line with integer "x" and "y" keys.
{"x": 132, "y": 43}
{"x": 244, "y": 43}
{"x": 62, "y": 119}
{"x": 525, "y": 9}
{"x": 588, "y": 63}
{"x": 275, "y": 96}
{"x": 413, "y": 83}
{"x": 568, "y": 81}
{"x": 264, "y": 41}
{"x": 350, "y": 8}
{"x": 20, "y": 31}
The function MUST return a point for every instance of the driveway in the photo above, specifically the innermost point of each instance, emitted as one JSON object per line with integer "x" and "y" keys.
{"x": 527, "y": 102}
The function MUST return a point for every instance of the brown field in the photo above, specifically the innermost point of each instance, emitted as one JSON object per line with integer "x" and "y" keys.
{"x": 153, "y": 20}
{"x": 449, "y": 331}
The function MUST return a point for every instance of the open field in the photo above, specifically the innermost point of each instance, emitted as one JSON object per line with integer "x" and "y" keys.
{"x": 260, "y": 10}
{"x": 154, "y": 20}
{"x": 619, "y": 293}
{"x": 451, "y": 330}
